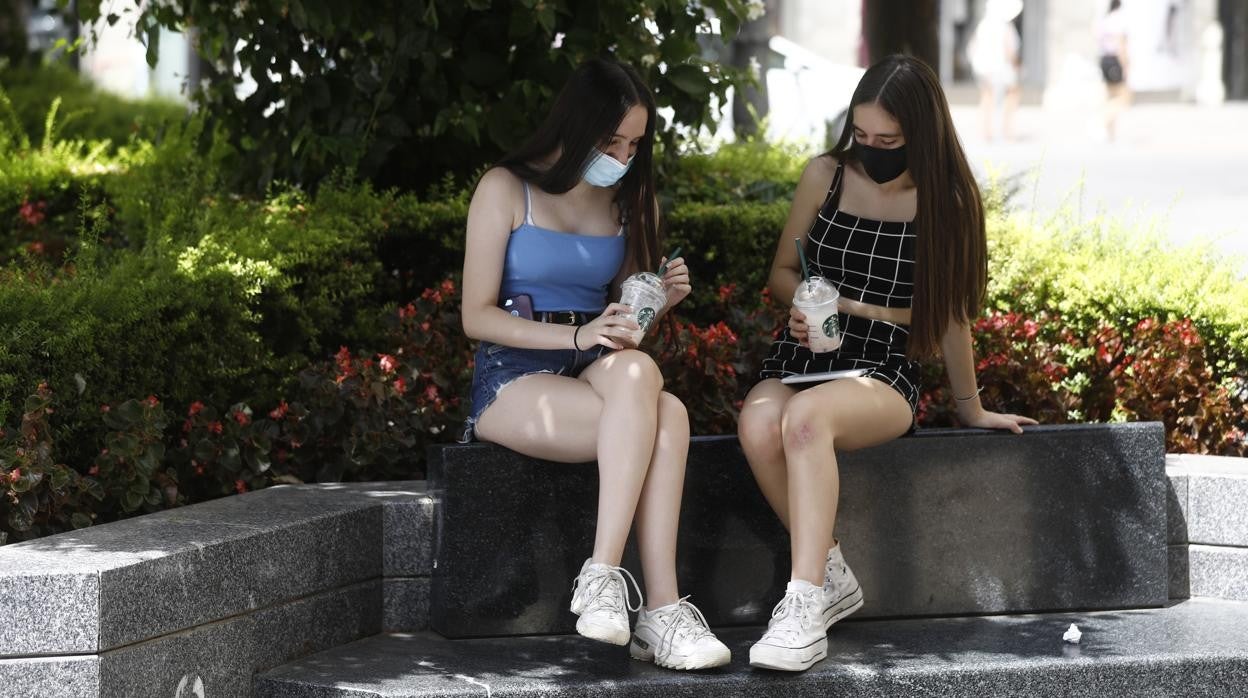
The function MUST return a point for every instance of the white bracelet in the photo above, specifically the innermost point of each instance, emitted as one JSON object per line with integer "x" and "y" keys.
{"x": 972, "y": 396}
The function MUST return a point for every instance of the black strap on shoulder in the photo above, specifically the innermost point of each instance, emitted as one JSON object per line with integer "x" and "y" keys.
{"x": 833, "y": 201}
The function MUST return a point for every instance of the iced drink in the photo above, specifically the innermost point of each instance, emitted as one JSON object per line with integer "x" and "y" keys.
{"x": 817, "y": 299}
{"x": 643, "y": 292}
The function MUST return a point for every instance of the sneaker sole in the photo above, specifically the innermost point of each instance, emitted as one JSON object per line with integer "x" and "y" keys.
{"x": 767, "y": 657}
{"x": 707, "y": 660}
{"x": 609, "y": 634}
{"x": 843, "y": 608}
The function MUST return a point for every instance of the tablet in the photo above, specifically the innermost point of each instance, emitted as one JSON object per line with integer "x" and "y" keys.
{"x": 825, "y": 376}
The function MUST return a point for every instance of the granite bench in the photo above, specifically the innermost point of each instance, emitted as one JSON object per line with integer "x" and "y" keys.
{"x": 196, "y": 600}
{"x": 939, "y": 523}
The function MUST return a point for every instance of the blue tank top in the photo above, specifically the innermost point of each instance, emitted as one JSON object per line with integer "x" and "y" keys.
{"x": 560, "y": 271}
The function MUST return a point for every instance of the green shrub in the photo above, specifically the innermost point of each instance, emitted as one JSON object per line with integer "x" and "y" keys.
{"x": 1103, "y": 272}
{"x": 747, "y": 170}
{"x": 87, "y": 113}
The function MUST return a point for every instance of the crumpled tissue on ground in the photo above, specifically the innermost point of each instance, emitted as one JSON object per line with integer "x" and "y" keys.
{"x": 1072, "y": 634}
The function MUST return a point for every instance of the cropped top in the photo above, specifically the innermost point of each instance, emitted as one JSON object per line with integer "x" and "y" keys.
{"x": 558, "y": 270}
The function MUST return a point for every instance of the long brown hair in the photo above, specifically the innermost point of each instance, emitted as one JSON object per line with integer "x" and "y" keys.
{"x": 951, "y": 247}
{"x": 585, "y": 114}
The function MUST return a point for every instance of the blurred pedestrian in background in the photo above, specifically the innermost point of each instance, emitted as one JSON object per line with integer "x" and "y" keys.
{"x": 994, "y": 53}
{"x": 1111, "y": 39}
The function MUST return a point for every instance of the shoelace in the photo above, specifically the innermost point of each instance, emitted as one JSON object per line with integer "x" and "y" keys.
{"x": 600, "y": 582}
{"x": 689, "y": 623}
{"x": 790, "y": 616}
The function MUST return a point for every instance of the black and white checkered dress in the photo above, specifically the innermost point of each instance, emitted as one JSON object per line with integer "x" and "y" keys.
{"x": 869, "y": 261}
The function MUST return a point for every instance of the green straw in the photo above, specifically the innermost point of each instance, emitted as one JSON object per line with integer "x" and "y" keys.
{"x": 671, "y": 255}
{"x": 801, "y": 254}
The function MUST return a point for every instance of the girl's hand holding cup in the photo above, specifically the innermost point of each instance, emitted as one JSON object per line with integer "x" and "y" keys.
{"x": 615, "y": 328}
{"x": 676, "y": 280}
{"x": 798, "y": 327}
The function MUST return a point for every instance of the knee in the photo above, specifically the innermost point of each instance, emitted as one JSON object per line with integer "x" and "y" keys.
{"x": 673, "y": 415}
{"x": 758, "y": 428}
{"x": 805, "y": 425}
{"x": 637, "y": 370}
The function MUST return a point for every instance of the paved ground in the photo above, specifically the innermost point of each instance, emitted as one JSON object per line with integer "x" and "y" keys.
{"x": 1182, "y": 166}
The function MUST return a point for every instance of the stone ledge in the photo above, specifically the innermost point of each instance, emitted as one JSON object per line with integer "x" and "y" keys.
{"x": 1070, "y": 516}
{"x": 1214, "y": 506}
{"x": 1218, "y": 572}
{"x": 108, "y": 586}
{"x": 1195, "y": 648}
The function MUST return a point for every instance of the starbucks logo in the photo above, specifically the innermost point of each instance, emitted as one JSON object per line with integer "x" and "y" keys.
{"x": 831, "y": 328}
{"x": 645, "y": 317}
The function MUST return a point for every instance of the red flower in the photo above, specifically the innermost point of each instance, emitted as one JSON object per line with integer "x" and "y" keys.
{"x": 343, "y": 359}
{"x": 15, "y": 475}
{"x": 241, "y": 417}
{"x": 215, "y": 427}
{"x": 279, "y": 411}
{"x": 195, "y": 408}
{"x": 400, "y": 385}
{"x": 152, "y": 401}
{"x": 94, "y": 471}
{"x": 240, "y": 486}
{"x": 104, "y": 408}
{"x": 33, "y": 213}
{"x": 387, "y": 363}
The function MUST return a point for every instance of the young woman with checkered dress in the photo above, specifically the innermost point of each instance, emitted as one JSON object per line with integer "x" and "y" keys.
{"x": 892, "y": 216}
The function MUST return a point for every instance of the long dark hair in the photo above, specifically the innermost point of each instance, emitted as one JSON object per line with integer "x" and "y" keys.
{"x": 951, "y": 248}
{"x": 586, "y": 113}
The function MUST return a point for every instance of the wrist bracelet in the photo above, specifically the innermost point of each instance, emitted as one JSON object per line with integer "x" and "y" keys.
{"x": 972, "y": 396}
{"x": 576, "y": 332}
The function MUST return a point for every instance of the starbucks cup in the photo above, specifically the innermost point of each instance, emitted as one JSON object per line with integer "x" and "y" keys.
{"x": 644, "y": 293}
{"x": 817, "y": 299}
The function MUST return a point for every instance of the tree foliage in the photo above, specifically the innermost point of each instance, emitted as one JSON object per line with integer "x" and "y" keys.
{"x": 408, "y": 90}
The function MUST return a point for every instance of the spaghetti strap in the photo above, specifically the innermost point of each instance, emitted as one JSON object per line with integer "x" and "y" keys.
{"x": 833, "y": 200}
{"x": 837, "y": 180}
{"x": 528, "y": 204}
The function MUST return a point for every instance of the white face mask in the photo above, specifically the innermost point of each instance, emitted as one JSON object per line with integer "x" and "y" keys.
{"x": 604, "y": 170}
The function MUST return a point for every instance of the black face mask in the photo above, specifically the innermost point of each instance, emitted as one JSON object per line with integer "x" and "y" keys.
{"x": 882, "y": 165}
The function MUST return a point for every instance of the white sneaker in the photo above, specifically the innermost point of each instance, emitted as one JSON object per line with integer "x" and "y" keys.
{"x": 840, "y": 588}
{"x": 600, "y": 598}
{"x": 677, "y": 636}
{"x": 796, "y": 637}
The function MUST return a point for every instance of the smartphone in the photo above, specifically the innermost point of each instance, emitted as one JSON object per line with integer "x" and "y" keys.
{"x": 520, "y": 305}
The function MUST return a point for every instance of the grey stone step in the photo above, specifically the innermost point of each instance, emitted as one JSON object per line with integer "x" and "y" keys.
{"x": 213, "y": 592}
{"x": 943, "y": 522}
{"x": 1208, "y": 526}
{"x": 1192, "y": 648}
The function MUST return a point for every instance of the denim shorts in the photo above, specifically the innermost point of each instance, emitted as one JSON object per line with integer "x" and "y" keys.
{"x": 497, "y": 366}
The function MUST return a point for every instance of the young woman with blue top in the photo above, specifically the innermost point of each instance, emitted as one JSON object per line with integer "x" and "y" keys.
{"x": 892, "y": 216}
{"x": 553, "y": 231}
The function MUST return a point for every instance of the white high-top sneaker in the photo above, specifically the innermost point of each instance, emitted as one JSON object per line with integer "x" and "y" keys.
{"x": 677, "y": 636}
{"x": 796, "y": 637}
{"x": 600, "y": 598}
{"x": 840, "y": 588}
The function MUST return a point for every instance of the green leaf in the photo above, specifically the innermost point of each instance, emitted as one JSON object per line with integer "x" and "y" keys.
{"x": 689, "y": 79}
{"x": 79, "y": 520}
{"x": 132, "y": 500}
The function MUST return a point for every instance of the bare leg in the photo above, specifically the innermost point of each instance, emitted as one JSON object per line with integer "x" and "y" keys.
{"x": 1119, "y": 100}
{"x": 658, "y": 512}
{"x": 987, "y": 101}
{"x": 558, "y": 418}
{"x": 1008, "y": 109}
{"x": 758, "y": 430}
{"x": 841, "y": 415}
{"x": 629, "y": 384}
